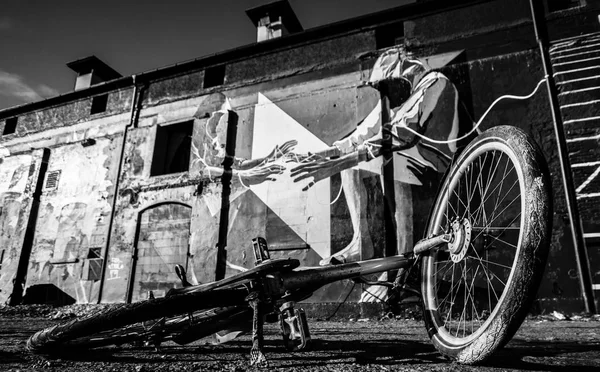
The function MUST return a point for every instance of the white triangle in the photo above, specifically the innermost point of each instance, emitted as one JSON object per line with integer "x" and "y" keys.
{"x": 307, "y": 213}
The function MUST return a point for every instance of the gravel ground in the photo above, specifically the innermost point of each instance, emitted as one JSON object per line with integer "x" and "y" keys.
{"x": 543, "y": 343}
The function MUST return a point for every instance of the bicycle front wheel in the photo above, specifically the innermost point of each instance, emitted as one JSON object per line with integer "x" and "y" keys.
{"x": 495, "y": 202}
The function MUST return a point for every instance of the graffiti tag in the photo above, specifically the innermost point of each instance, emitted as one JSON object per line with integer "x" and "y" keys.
{"x": 114, "y": 267}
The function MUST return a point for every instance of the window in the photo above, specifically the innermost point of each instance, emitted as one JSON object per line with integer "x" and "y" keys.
{"x": 94, "y": 253}
{"x": 556, "y": 5}
{"x": 389, "y": 35}
{"x": 172, "y": 149}
{"x": 52, "y": 180}
{"x": 99, "y": 104}
{"x": 214, "y": 76}
{"x": 10, "y": 126}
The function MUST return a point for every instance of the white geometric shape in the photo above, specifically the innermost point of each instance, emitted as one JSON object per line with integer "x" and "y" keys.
{"x": 307, "y": 213}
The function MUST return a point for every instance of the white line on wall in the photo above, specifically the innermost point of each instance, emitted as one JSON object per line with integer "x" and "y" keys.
{"x": 573, "y": 55}
{"x": 578, "y": 91}
{"x": 579, "y": 139}
{"x": 588, "y": 180}
{"x": 588, "y": 164}
{"x": 586, "y": 46}
{"x": 575, "y": 70}
{"x": 577, "y": 80}
{"x": 576, "y": 61}
{"x": 581, "y": 103}
{"x": 581, "y": 120}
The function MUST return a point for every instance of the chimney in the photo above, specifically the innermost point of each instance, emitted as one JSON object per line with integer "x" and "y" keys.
{"x": 90, "y": 71}
{"x": 274, "y": 20}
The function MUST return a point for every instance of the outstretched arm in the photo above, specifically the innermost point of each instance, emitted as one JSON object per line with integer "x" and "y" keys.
{"x": 275, "y": 154}
{"x": 247, "y": 177}
{"x": 322, "y": 167}
{"x": 368, "y": 130}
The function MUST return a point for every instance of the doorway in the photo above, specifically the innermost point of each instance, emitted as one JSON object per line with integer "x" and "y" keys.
{"x": 162, "y": 241}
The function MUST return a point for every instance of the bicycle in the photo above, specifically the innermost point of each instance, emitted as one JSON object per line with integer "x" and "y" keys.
{"x": 481, "y": 263}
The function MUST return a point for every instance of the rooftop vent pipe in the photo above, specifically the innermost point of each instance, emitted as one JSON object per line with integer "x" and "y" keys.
{"x": 90, "y": 71}
{"x": 274, "y": 20}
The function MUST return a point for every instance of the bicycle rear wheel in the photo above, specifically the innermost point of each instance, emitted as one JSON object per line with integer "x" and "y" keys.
{"x": 495, "y": 201}
{"x": 152, "y": 320}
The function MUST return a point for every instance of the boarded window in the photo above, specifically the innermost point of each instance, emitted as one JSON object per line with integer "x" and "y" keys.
{"x": 172, "y": 149}
{"x": 214, "y": 76}
{"x": 99, "y": 104}
{"x": 10, "y": 126}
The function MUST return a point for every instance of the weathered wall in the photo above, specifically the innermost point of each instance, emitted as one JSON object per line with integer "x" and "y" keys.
{"x": 73, "y": 217}
{"x": 70, "y": 113}
{"x": 17, "y": 179}
{"x": 312, "y": 93}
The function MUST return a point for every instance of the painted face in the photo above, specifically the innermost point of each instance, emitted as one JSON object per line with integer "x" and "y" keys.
{"x": 396, "y": 63}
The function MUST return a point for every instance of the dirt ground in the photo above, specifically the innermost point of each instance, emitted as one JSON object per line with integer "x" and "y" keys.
{"x": 542, "y": 344}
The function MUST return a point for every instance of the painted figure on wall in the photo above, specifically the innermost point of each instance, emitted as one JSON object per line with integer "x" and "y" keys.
{"x": 414, "y": 100}
{"x": 244, "y": 171}
{"x": 208, "y": 154}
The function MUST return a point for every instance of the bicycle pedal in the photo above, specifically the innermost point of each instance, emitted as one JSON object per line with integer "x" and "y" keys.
{"x": 294, "y": 327}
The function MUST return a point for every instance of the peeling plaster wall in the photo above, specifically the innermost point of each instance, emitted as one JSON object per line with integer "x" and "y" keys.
{"x": 65, "y": 115}
{"x": 73, "y": 217}
{"x": 17, "y": 174}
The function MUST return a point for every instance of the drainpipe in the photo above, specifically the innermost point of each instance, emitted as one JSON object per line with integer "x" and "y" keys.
{"x": 581, "y": 256}
{"x": 135, "y": 106}
{"x": 221, "y": 265}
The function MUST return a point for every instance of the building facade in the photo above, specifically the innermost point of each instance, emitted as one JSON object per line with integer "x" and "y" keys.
{"x": 105, "y": 188}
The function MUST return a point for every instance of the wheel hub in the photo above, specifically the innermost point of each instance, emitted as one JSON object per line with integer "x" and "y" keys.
{"x": 461, "y": 239}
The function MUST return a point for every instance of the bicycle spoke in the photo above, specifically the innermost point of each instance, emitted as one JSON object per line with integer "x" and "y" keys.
{"x": 495, "y": 263}
{"x": 490, "y": 279}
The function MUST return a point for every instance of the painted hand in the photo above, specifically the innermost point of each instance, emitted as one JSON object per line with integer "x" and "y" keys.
{"x": 321, "y": 168}
{"x": 281, "y": 150}
{"x": 314, "y": 156}
{"x": 260, "y": 174}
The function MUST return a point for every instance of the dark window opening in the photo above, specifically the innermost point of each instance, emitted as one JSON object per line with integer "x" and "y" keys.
{"x": 556, "y": 5}
{"x": 389, "y": 35}
{"x": 94, "y": 253}
{"x": 214, "y": 76}
{"x": 10, "y": 126}
{"x": 172, "y": 149}
{"x": 99, "y": 104}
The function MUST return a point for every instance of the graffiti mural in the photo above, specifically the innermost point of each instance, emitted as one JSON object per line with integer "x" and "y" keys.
{"x": 407, "y": 98}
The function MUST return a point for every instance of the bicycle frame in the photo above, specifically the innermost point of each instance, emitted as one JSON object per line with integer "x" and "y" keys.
{"x": 274, "y": 286}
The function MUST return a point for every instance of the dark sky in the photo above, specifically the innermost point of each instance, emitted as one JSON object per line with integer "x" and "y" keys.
{"x": 38, "y": 37}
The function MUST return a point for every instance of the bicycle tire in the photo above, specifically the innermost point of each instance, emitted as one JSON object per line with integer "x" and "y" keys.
{"x": 484, "y": 241}
{"x": 124, "y": 324}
